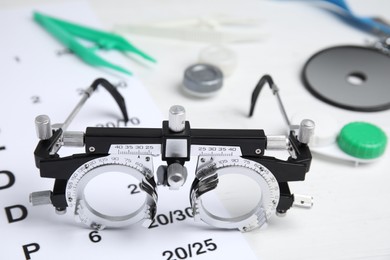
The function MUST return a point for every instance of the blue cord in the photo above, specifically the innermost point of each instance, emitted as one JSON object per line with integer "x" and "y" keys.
{"x": 340, "y": 3}
{"x": 365, "y": 23}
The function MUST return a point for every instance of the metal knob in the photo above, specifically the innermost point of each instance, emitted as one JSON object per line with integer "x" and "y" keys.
{"x": 177, "y": 118}
{"x": 43, "y": 127}
{"x": 277, "y": 142}
{"x": 40, "y": 198}
{"x": 73, "y": 138}
{"x": 176, "y": 176}
{"x": 306, "y": 131}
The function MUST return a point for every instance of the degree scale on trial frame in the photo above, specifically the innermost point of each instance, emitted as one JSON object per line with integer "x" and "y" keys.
{"x": 155, "y": 150}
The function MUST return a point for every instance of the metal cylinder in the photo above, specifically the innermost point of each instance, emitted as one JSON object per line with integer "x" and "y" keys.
{"x": 306, "y": 131}
{"x": 176, "y": 176}
{"x": 40, "y": 198}
{"x": 277, "y": 142}
{"x": 43, "y": 127}
{"x": 177, "y": 118}
{"x": 73, "y": 138}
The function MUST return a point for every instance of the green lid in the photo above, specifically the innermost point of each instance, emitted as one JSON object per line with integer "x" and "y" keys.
{"x": 362, "y": 140}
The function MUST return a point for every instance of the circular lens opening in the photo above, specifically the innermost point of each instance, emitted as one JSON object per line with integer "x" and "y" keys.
{"x": 356, "y": 78}
{"x": 236, "y": 195}
{"x": 114, "y": 194}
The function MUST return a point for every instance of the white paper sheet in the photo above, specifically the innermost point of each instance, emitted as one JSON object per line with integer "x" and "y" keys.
{"x": 36, "y": 79}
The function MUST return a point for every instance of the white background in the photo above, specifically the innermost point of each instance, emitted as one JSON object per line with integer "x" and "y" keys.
{"x": 351, "y": 216}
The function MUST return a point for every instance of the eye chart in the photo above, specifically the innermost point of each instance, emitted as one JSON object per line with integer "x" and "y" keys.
{"x": 39, "y": 76}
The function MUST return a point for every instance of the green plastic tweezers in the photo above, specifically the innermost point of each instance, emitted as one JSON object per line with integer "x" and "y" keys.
{"x": 67, "y": 32}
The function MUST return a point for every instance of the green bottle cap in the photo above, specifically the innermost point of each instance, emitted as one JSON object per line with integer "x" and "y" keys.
{"x": 362, "y": 140}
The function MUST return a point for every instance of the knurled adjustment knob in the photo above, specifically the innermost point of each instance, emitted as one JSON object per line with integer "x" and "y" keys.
{"x": 362, "y": 140}
{"x": 177, "y": 118}
{"x": 43, "y": 127}
{"x": 306, "y": 131}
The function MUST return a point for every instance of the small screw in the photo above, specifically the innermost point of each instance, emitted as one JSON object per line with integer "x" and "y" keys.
{"x": 202, "y": 160}
{"x": 281, "y": 213}
{"x": 91, "y": 149}
{"x": 147, "y": 158}
{"x": 258, "y": 151}
{"x": 60, "y": 211}
{"x": 70, "y": 199}
{"x": 96, "y": 226}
